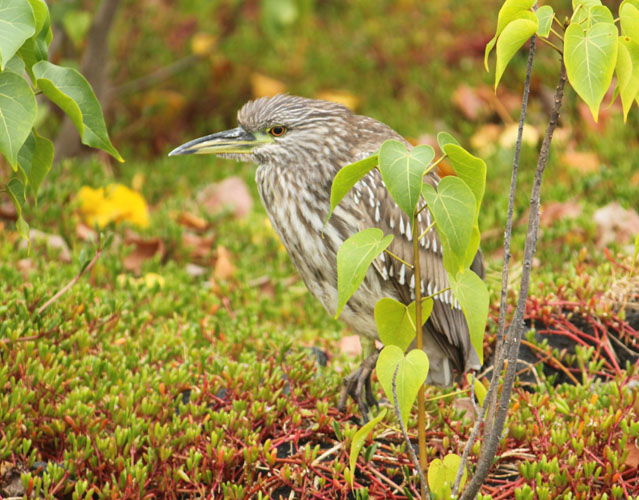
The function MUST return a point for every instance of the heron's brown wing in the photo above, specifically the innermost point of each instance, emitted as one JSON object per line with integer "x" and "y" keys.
{"x": 447, "y": 324}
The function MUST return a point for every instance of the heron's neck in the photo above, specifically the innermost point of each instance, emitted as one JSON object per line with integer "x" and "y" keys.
{"x": 280, "y": 186}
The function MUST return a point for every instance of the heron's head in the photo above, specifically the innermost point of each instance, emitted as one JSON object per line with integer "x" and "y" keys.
{"x": 283, "y": 131}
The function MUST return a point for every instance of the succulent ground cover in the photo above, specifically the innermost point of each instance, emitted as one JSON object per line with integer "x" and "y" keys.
{"x": 203, "y": 367}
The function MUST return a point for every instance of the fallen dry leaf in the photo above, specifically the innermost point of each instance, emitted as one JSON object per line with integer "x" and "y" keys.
{"x": 583, "y": 161}
{"x": 193, "y": 221}
{"x": 265, "y": 86}
{"x": 485, "y": 139}
{"x": 508, "y": 137}
{"x": 224, "y": 268}
{"x": 200, "y": 246}
{"x": 632, "y": 460}
{"x": 351, "y": 101}
{"x": 465, "y": 404}
{"x": 553, "y": 211}
{"x": 143, "y": 251}
{"x": 230, "y": 193}
{"x": 615, "y": 223}
{"x": 471, "y": 105}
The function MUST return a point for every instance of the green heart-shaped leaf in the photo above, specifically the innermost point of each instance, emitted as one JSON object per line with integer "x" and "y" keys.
{"x": 396, "y": 321}
{"x": 627, "y": 70}
{"x": 412, "y": 371}
{"x": 403, "y": 170}
{"x": 18, "y": 24}
{"x": 67, "y": 88}
{"x": 444, "y": 138}
{"x": 347, "y": 177}
{"x": 510, "y": 10}
{"x": 470, "y": 169}
{"x": 453, "y": 207}
{"x": 17, "y": 114}
{"x": 629, "y": 20}
{"x": 515, "y": 34}
{"x": 600, "y": 14}
{"x": 590, "y": 56}
{"x": 545, "y": 15}
{"x": 581, "y": 9}
{"x": 472, "y": 295}
{"x": 35, "y": 160}
{"x": 441, "y": 475}
{"x": 353, "y": 260}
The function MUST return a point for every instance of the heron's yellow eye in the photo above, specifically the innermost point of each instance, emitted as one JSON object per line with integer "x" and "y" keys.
{"x": 277, "y": 131}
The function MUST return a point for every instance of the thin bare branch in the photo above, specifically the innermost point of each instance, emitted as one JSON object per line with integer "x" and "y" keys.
{"x": 491, "y": 397}
{"x": 516, "y": 328}
{"x": 68, "y": 286}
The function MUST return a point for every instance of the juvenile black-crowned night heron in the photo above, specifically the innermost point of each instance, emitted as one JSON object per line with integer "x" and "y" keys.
{"x": 299, "y": 144}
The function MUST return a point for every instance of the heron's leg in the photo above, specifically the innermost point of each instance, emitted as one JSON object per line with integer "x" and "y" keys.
{"x": 358, "y": 386}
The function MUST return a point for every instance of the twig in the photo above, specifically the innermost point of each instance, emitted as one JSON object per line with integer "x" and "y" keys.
{"x": 410, "y": 266}
{"x": 516, "y": 328}
{"x": 66, "y": 288}
{"x": 409, "y": 445}
{"x": 426, "y": 230}
{"x": 491, "y": 395}
{"x": 498, "y": 357}
{"x": 327, "y": 453}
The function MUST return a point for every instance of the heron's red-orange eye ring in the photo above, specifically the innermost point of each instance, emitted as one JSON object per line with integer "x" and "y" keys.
{"x": 277, "y": 131}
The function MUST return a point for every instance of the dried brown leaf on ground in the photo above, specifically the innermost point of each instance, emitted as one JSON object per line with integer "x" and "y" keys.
{"x": 192, "y": 221}
{"x": 585, "y": 162}
{"x": 554, "y": 211}
{"x": 485, "y": 139}
{"x": 616, "y": 224}
{"x": 200, "y": 247}
{"x": 224, "y": 268}
{"x": 470, "y": 103}
{"x": 8, "y": 211}
{"x": 232, "y": 193}
{"x": 144, "y": 249}
{"x": 508, "y": 136}
{"x": 632, "y": 460}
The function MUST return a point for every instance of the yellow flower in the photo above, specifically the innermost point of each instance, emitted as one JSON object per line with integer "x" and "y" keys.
{"x": 115, "y": 203}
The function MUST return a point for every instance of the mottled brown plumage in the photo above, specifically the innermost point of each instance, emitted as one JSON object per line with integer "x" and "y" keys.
{"x": 294, "y": 176}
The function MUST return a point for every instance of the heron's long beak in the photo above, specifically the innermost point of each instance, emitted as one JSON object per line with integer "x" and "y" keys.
{"x": 236, "y": 140}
